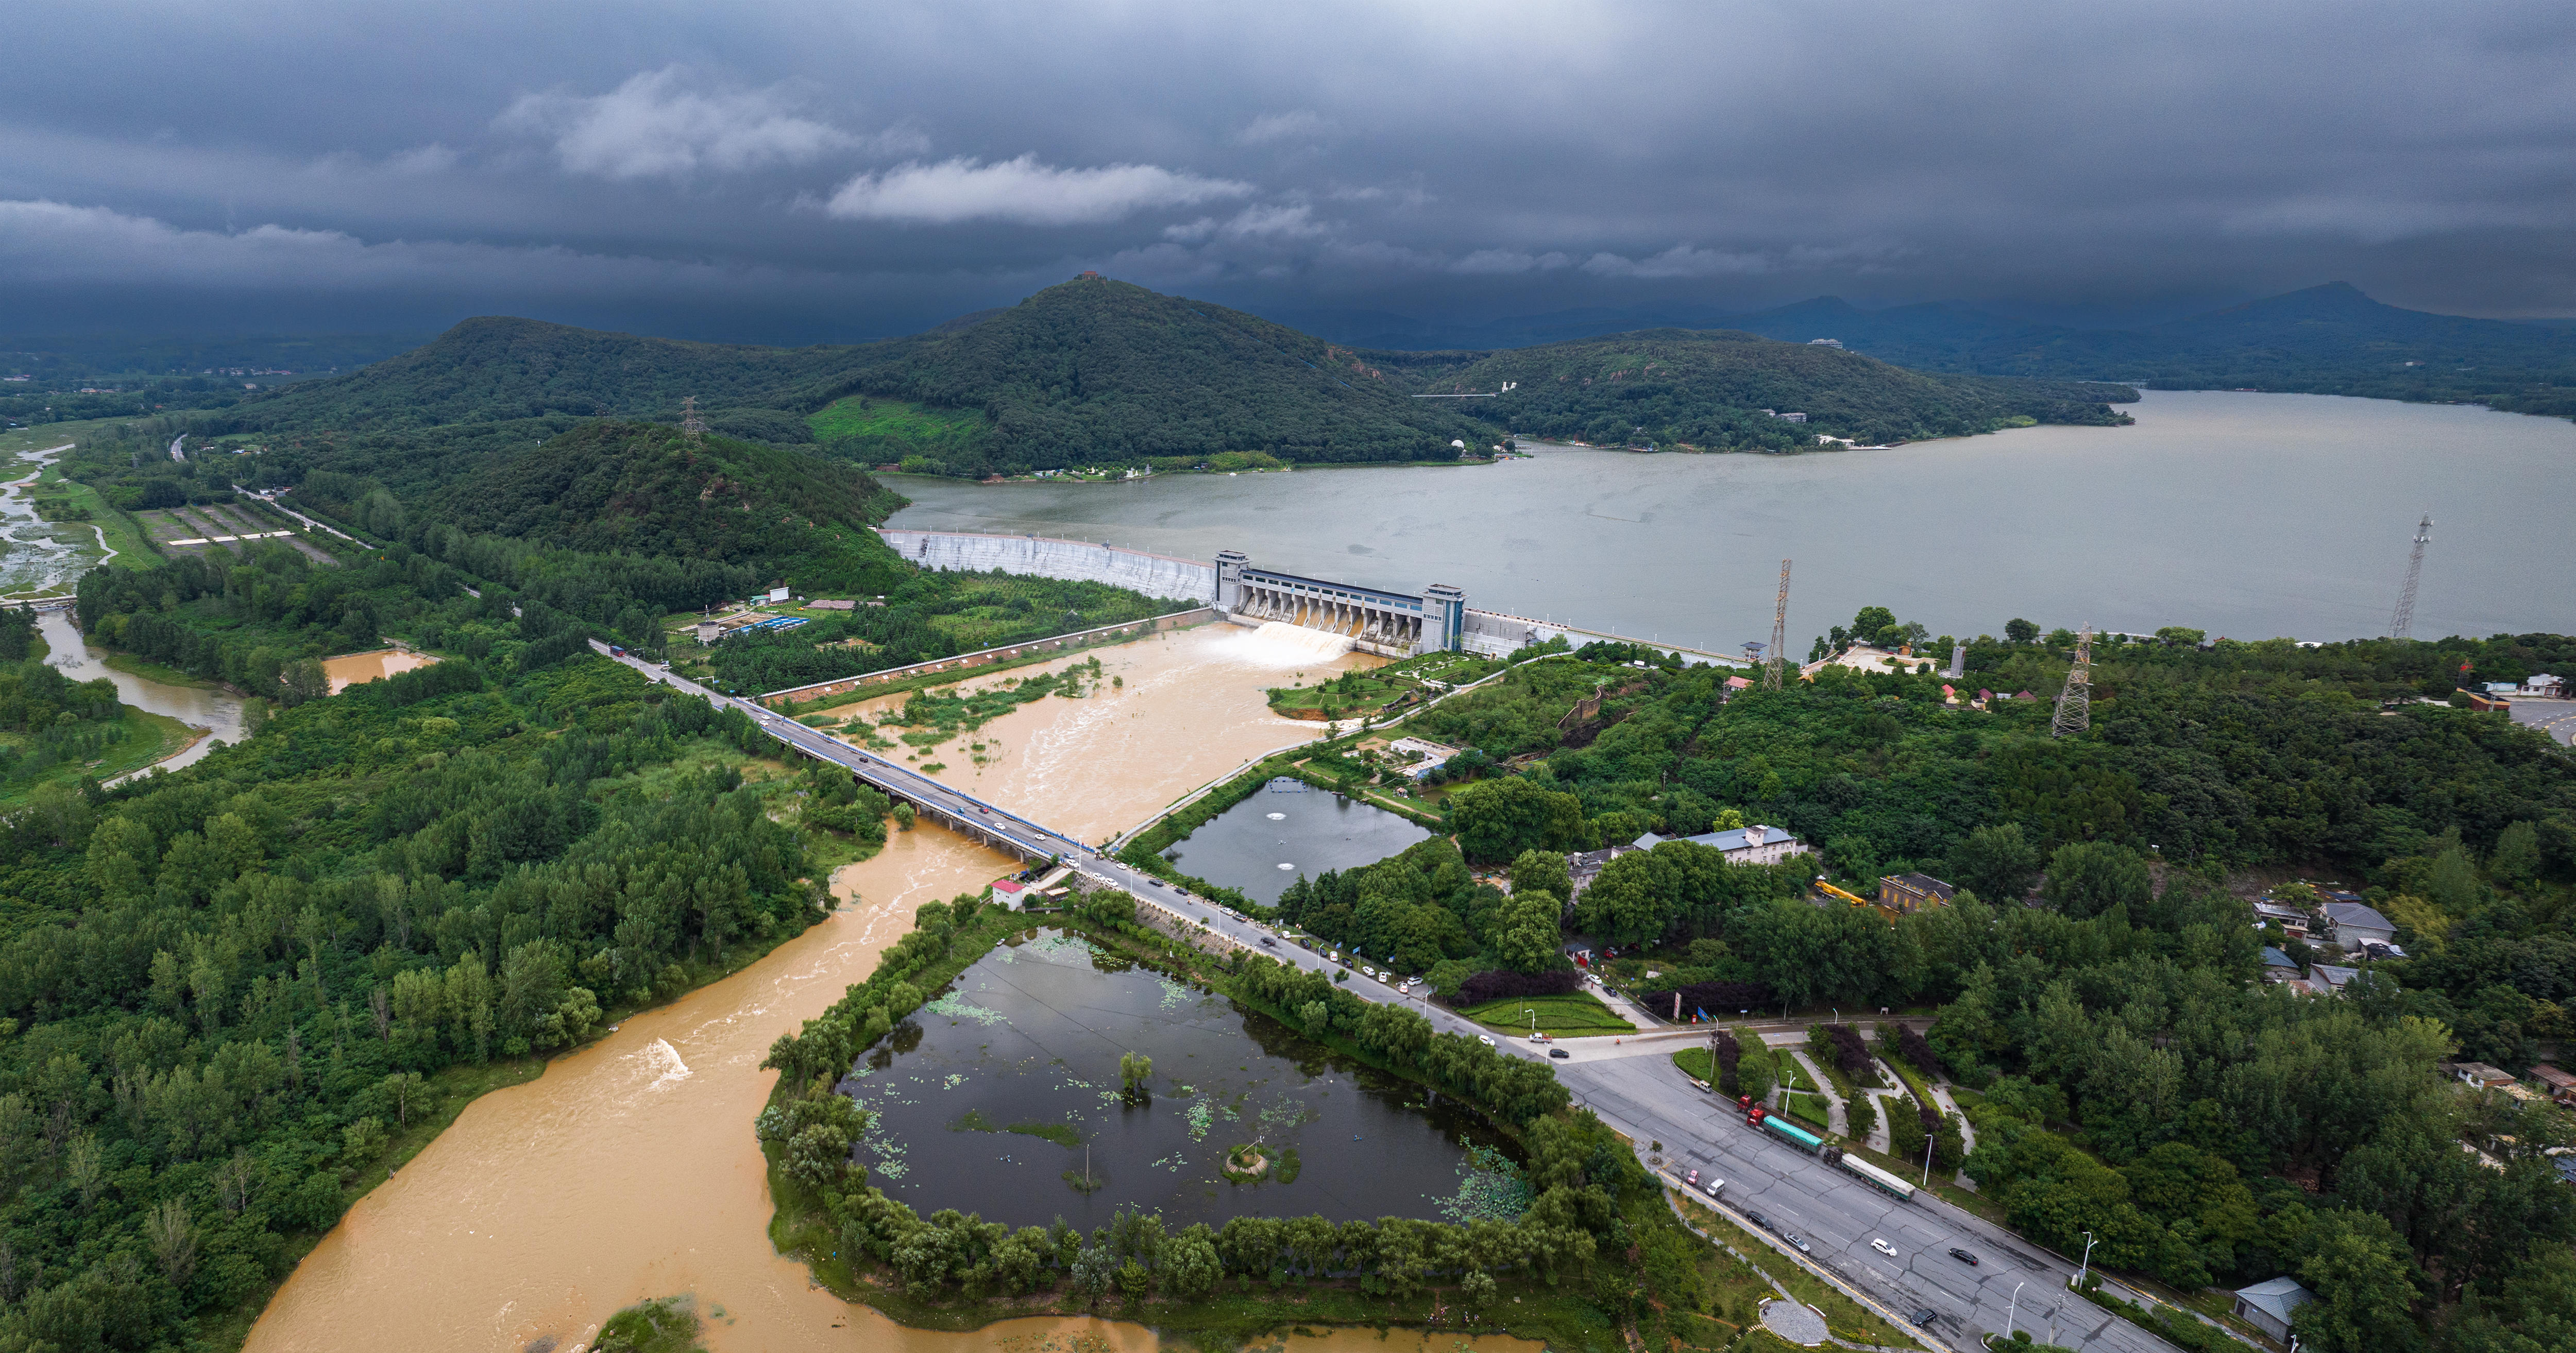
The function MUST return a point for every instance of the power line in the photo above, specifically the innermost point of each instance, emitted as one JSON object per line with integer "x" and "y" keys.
{"x": 2404, "y": 617}
{"x": 1779, "y": 632}
{"x": 2075, "y": 703}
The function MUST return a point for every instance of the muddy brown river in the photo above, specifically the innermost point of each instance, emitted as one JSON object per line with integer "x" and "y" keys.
{"x": 629, "y": 1169}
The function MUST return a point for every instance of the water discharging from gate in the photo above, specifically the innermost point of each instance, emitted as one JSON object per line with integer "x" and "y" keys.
{"x": 629, "y": 1169}
{"x": 1280, "y": 644}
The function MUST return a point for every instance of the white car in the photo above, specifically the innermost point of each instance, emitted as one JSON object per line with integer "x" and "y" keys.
{"x": 1882, "y": 1247}
{"x": 1367, "y": 971}
{"x": 1486, "y": 1039}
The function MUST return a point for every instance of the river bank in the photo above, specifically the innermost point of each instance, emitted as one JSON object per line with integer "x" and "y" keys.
{"x": 629, "y": 1170}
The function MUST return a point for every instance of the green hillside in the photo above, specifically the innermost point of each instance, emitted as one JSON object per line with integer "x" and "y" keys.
{"x": 649, "y": 489}
{"x": 496, "y": 369}
{"x": 1708, "y": 389}
{"x": 1095, "y": 370}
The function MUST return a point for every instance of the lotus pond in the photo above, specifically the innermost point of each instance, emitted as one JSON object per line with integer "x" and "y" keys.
{"x": 1004, "y": 1096}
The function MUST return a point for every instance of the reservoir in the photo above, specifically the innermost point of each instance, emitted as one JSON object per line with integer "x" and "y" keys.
{"x": 1286, "y": 831}
{"x": 2245, "y": 515}
{"x": 989, "y": 1097}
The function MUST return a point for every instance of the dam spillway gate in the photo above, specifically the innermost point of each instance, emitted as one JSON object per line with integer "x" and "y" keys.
{"x": 1391, "y": 624}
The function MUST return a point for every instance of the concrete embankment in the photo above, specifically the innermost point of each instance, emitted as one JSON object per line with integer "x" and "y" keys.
{"x": 990, "y": 657}
{"x": 1155, "y": 575}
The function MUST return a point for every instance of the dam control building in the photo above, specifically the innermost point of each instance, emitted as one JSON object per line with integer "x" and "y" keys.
{"x": 1390, "y": 624}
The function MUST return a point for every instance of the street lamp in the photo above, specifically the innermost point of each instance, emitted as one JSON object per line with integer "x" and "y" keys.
{"x": 1929, "y": 1138}
{"x": 2011, "y": 1311}
{"x": 2078, "y": 1284}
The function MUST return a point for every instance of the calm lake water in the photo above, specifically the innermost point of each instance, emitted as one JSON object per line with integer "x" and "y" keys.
{"x": 2246, "y": 515}
{"x": 1031, "y": 1035}
{"x": 1266, "y": 842}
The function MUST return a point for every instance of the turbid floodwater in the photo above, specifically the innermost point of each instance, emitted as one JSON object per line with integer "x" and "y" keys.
{"x": 630, "y": 1170}
{"x": 2245, "y": 515}
{"x": 350, "y": 669}
{"x": 204, "y": 706}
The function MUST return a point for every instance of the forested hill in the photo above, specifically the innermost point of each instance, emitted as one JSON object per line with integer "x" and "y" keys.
{"x": 648, "y": 489}
{"x": 498, "y": 368}
{"x": 1095, "y": 370}
{"x": 1710, "y": 390}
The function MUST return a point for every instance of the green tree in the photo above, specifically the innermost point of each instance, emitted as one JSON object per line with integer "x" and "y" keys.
{"x": 2089, "y": 878}
{"x": 1527, "y": 933}
{"x": 1542, "y": 869}
{"x": 2020, "y": 631}
{"x": 1501, "y": 819}
{"x": 1995, "y": 862}
{"x": 2366, "y": 1284}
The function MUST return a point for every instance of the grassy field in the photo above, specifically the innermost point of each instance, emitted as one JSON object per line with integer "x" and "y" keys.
{"x": 148, "y": 738}
{"x": 870, "y": 416}
{"x": 1573, "y": 1016}
{"x": 1812, "y": 1110}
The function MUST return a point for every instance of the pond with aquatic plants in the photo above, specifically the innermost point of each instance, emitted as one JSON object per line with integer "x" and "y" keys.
{"x": 1004, "y": 1096}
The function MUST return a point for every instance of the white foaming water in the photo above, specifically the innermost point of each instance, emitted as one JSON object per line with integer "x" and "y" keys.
{"x": 673, "y": 1070}
{"x": 1280, "y": 644}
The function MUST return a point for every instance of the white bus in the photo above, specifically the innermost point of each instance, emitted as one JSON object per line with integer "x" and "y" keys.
{"x": 1885, "y": 1182}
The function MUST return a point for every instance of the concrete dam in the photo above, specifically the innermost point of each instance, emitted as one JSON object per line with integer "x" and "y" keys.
{"x": 1372, "y": 619}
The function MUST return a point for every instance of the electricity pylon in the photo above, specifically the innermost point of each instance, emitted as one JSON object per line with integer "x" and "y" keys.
{"x": 2404, "y": 617}
{"x": 2075, "y": 703}
{"x": 1779, "y": 633}
{"x": 690, "y": 422}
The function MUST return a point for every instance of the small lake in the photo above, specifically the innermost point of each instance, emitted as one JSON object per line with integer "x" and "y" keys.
{"x": 1030, "y": 1038}
{"x": 1286, "y": 830}
{"x": 351, "y": 669}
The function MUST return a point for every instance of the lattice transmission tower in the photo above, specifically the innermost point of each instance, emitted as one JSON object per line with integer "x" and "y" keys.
{"x": 1779, "y": 633}
{"x": 2075, "y": 703}
{"x": 690, "y": 422}
{"x": 2403, "y": 618}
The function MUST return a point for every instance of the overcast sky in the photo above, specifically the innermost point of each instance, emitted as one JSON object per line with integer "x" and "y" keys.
{"x": 793, "y": 171}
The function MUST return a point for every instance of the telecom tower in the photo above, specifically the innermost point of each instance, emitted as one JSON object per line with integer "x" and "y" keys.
{"x": 2404, "y": 617}
{"x": 2075, "y": 703}
{"x": 1779, "y": 633}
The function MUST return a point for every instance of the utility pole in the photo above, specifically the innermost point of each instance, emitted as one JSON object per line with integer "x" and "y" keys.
{"x": 1779, "y": 633}
{"x": 690, "y": 422}
{"x": 2086, "y": 1266}
{"x": 2075, "y": 703}
{"x": 2404, "y": 617}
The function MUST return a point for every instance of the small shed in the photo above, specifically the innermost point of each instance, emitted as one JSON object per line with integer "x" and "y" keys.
{"x": 2560, "y": 1085}
{"x": 2269, "y": 1305}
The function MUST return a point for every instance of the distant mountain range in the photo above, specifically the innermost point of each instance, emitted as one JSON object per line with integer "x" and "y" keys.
{"x": 2329, "y": 339}
{"x": 1095, "y": 372}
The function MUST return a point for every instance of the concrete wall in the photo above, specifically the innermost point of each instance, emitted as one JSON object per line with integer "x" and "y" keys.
{"x": 1155, "y": 575}
{"x": 1498, "y": 634}
{"x": 987, "y": 657}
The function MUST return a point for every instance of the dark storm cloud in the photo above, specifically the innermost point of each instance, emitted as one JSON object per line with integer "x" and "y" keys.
{"x": 811, "y": 170}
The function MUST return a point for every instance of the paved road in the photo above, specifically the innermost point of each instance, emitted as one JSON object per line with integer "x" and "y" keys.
{"x": 1639, "y": 1094}
{"x": 2556, "y": 717}
{"x": 1651, "y": 1100}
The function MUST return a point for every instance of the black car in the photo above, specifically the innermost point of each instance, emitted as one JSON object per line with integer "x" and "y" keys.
{"x": 1963, "y": 1256}
{"x": 1924, "y": 1315}
{"x": 1267, "y": 940}
{"x": 1559, "y": 1053}
{"x": 1758, "y": 1219}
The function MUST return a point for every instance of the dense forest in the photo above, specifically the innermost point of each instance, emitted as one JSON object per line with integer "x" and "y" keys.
{"x": 229, "y": 992}
{"x": 2097, "y": 977}
{"x": 1719, "y": 391}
